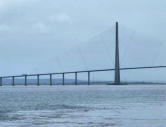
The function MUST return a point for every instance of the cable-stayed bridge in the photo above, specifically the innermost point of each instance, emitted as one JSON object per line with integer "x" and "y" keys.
{"x": 117, "y": 70}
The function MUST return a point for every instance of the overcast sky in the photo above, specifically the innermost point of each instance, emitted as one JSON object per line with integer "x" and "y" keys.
{"x": 34, "y": 31}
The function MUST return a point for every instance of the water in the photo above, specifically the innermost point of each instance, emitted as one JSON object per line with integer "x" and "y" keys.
{"x": 83, "y": 106}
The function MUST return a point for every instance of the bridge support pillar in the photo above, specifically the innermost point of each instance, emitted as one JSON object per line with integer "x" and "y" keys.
{"x": 25, "y": 83}
{"x": 0, "y": 81}
{"x": 76, "y": 82}
{"x": 50, "y": 79}
{"x": 38, "y": 80}
{"x": 89, "y": 78}
{"x": 13, "y": 80}
{"x": 63, "y": 79}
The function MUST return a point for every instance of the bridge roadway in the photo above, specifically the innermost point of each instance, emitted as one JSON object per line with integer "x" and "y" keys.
{"x": 86, "y": 71}
{"x": 72, "y": 72}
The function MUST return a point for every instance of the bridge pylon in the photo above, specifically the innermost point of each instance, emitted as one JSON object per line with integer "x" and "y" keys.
{"x": 117, "y": 61}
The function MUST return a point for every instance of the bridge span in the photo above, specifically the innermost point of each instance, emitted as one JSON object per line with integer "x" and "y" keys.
{"x": 117, "y": 70}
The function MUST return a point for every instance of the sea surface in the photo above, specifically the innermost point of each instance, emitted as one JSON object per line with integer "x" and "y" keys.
{"x": 83, "y": 106}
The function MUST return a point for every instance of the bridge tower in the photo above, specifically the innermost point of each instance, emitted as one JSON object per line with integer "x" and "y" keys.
{"x": 117, "y": 61}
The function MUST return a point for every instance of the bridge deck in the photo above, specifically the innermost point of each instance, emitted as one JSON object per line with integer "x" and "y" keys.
{"x": 72, "y": 72}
